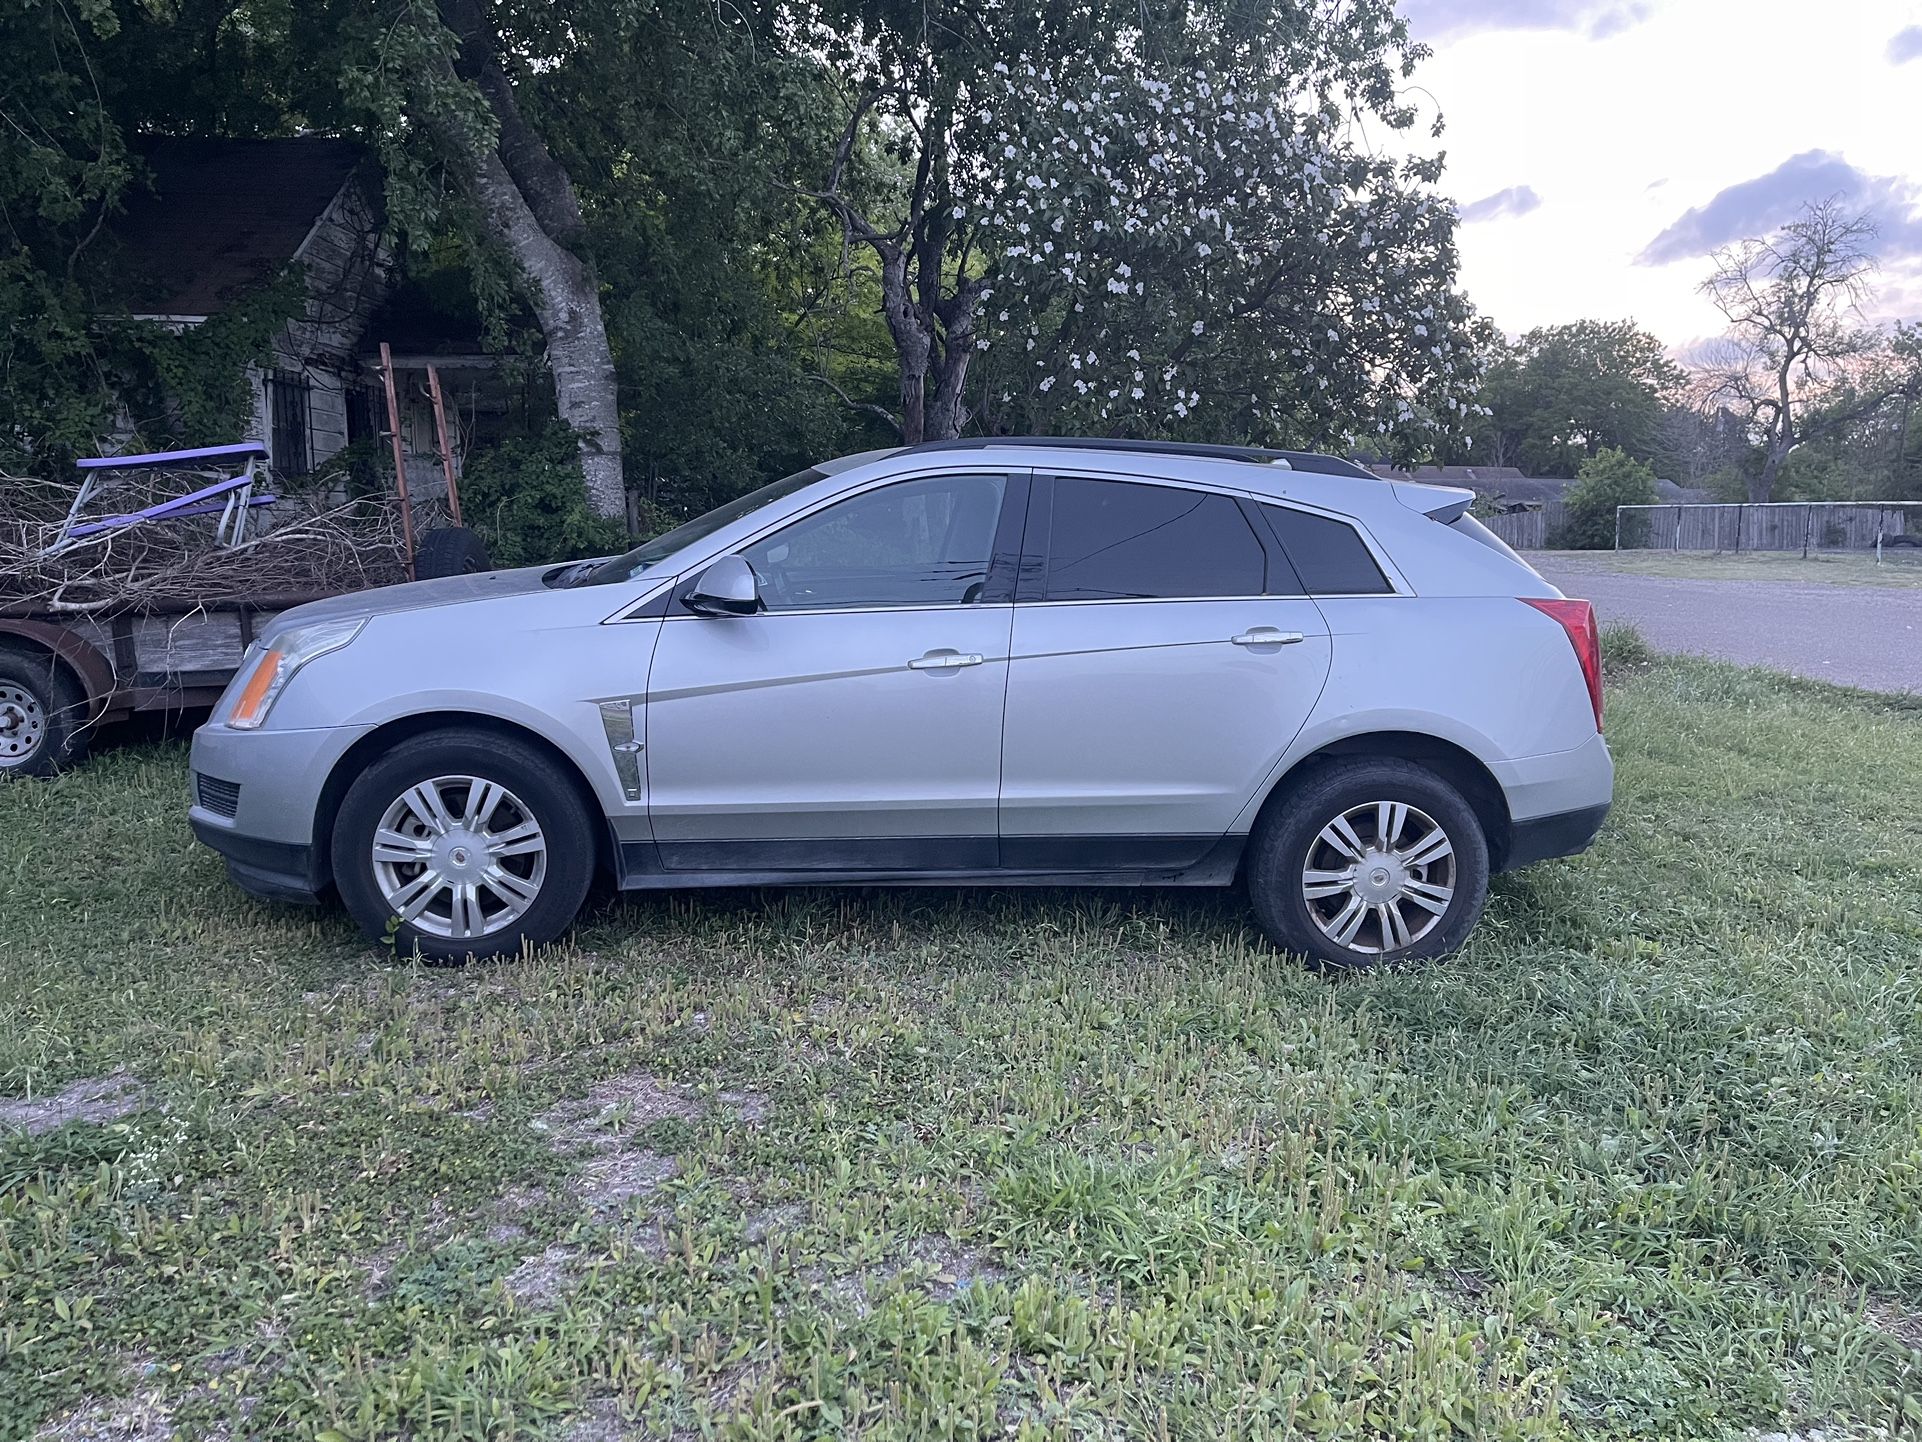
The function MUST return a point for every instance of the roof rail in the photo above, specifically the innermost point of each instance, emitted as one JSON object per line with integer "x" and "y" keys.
{"x": 1293, "y": 460}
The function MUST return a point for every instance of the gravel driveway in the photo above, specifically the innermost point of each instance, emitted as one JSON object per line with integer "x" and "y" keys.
{"x": 1851, "y": 635}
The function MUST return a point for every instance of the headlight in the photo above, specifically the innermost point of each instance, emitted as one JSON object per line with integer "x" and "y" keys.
{"x": 265, "y": 675}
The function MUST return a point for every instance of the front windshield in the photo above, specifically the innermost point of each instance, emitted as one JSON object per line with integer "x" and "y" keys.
{"x": 627, "y": 566}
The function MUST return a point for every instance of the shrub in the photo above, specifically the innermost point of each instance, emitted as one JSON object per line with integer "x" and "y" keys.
{"x": 1606, "y": 480}
{"x": 525, "y": 498}
{"x": 1625, "y": 649}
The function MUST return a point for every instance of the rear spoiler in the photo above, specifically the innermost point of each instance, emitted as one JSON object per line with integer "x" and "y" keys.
{"x": 1447, "y": 504}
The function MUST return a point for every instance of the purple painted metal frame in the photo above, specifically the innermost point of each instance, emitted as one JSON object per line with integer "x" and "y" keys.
{"x": 231, "y": 497}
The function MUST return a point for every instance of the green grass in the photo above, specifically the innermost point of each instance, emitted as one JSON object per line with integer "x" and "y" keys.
{"x": 1645, "y": 1161}
{"x": 1900, "y": 567}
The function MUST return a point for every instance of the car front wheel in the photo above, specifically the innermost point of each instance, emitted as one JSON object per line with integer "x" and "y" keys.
{"x": 1369, "y": 863}
{"x": 463, "y": 845}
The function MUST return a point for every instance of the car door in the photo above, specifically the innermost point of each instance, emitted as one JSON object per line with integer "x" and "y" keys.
{"x": 855, "y": 723}
{"x": 1163, "y": 658}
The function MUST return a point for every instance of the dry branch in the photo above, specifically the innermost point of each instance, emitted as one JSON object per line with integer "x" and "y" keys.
{"x": 303, "y": 545}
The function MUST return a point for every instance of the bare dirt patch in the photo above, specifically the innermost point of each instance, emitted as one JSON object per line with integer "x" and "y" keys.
{"x": 936, "y": 1265}
{"x": 597, "y": 1129}
{"x": 92, "y": 1099}
{"x": 616, "y": 1176}
{"x": 541, "y": 1278}
{"x": 142, "y": 1417}
{"x": 625, "y": 1102}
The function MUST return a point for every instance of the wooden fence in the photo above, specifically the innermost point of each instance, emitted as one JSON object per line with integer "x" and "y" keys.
{"x": 1529, "y": 530}
{"x": 1773, "y": 526}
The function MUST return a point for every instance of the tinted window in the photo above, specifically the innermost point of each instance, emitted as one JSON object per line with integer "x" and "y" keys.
{"x": 1329, "y": 556}
{"x": 1115, "y": 540}
{"x": 919, "y": 543}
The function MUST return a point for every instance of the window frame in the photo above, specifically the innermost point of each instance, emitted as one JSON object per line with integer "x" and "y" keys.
{"x": 1397, "y": 585}
{"x": 1279, "y": 581}
{"x": 997, "y": 589}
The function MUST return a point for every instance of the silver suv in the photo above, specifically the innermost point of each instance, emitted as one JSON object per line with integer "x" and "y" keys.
{"x": 1006, "y": 662}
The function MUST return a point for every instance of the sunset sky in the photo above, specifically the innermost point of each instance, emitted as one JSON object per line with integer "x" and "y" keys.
{"x": 1599, "y": 149}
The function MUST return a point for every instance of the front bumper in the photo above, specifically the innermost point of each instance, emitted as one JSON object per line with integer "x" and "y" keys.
{"x": 276, "y": 781}
{"x": 273, "y": 870}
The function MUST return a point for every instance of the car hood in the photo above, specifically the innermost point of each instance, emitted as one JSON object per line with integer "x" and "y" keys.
{"x": 416, "y": 596}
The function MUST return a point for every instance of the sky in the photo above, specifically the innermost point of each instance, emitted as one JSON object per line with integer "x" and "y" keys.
{"x": 1600, "y": 149}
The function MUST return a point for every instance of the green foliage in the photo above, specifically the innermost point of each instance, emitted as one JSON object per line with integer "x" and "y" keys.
{"x": 1564, "y": 393}
{"x": 1625, "y": 649}
{"x": 524, "y": 498}
{"x": 1609, "y": 479}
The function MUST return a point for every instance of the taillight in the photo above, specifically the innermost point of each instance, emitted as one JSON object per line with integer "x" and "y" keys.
{"x": 1577, "y": 619}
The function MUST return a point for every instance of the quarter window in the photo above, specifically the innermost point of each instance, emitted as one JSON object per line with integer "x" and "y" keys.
{"x": 918, "y": 543}
{"x": 1330, "y": 556}
{"x": 1119, "y": 540}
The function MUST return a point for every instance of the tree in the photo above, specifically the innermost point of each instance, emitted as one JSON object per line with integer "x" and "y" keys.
{"x": 1608, "y": 479}
{"x": 1564, "y": 393}
{"x": 1799, "y": 363}
{"x": 1148, "y": 221}
{"x": 439, "y": 79}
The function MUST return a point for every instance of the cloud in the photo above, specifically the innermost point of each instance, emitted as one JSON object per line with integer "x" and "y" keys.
{"x": 1762, "y": 205}
{"x": 1597, "y": 19}
{"x": 1516, "y": 200}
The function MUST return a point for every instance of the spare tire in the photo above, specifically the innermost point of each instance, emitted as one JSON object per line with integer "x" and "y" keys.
{"x": 450, "y": 551}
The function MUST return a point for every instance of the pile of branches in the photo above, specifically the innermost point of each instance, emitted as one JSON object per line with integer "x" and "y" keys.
{"x": 302, "y": 546}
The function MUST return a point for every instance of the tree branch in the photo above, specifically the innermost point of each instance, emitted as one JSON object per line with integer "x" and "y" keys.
{"x": 881, "y": 413}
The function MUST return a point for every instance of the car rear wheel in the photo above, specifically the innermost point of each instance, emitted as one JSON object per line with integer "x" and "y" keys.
{"x": 1368, "y": 863}
{"x": 463, "y": 844}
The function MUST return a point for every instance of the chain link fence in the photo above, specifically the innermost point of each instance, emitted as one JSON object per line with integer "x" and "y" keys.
{"x": 1804, "y": 526}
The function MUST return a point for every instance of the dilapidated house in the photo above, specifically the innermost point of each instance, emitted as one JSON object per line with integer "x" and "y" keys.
{"x": 224, "y": 218}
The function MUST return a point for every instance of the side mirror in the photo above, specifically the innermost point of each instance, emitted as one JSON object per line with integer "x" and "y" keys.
{"x": 729, "y": 587}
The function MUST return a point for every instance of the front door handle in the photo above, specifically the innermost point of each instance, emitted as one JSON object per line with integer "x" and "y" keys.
{"x": 944, "y": 661}
{"x": 1266, "y": 636}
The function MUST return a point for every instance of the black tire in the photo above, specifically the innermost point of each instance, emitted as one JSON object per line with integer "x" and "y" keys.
{"x": 43, "y": 716}
{"x": 450, "y": 551}
{"x": 1288, "y": 842}
{"x": 535, "y": 785}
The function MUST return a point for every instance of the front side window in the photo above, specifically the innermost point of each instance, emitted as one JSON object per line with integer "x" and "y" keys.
{"x": 1121, "y": 540}
{"x": 915, "y": 543}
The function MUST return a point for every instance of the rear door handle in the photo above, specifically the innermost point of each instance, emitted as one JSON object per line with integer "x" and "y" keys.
{"x": 944, "y": 661}
{"x": 1266, "y": 636}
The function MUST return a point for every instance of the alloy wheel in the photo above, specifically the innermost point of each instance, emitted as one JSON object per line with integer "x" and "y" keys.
{"x": 1379, "y": 877}
{"x": 459, "y": 857}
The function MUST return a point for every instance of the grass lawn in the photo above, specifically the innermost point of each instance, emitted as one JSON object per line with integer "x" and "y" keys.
{"x": 1644, "y": 1161}
{"x": 1900, "y": 566}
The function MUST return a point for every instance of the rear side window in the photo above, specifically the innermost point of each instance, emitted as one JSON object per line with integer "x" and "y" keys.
{"x": 1120, "y": 540}
{"x": 1329, "y": 556}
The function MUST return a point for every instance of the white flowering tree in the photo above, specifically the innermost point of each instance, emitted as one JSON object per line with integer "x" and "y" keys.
{"x": 1081, "y": 224}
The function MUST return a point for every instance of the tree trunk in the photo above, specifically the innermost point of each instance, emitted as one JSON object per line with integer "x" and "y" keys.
{"x": 566, "y": 298}
{"x": 1775, "y": 452}
{"x": 529, "y": 201}
{"x": 913, "y": 344}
